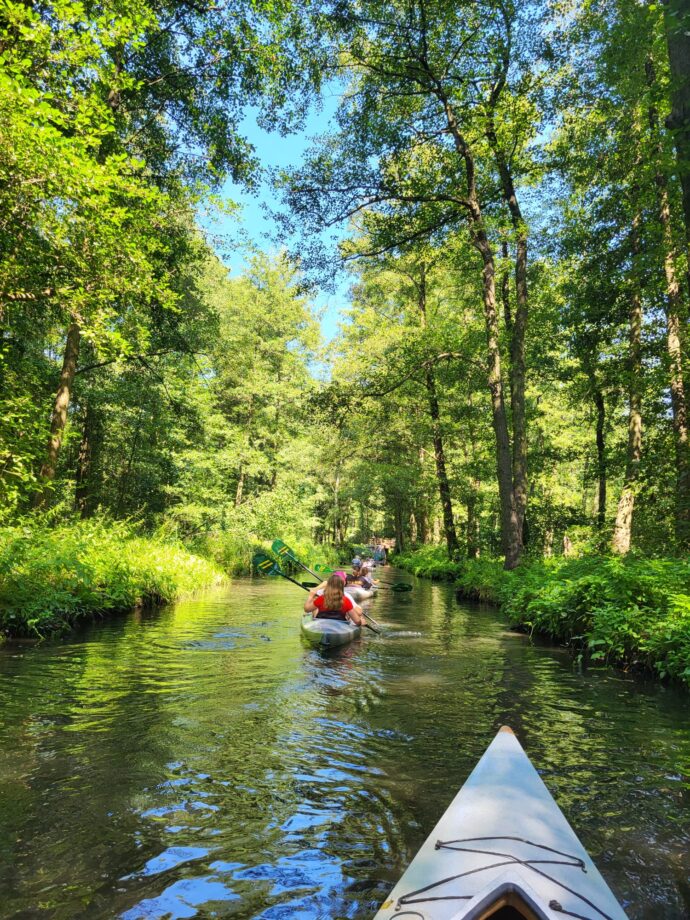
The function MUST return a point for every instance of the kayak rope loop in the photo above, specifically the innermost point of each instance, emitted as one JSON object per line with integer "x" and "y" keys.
{"x": 507, "y": 859}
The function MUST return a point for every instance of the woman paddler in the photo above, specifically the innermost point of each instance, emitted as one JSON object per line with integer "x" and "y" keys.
{"x": 333, "y": 604}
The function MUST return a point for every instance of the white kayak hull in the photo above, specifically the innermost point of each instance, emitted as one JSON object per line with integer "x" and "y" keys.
{"x": 329, "y": 633}
{"x": 358, "y": 593}
{"x": 504, "y": 844}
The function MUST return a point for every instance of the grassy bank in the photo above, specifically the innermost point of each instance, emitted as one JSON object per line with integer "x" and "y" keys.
{"x": 53, "y": 576}
{"x": 631, "y": 612}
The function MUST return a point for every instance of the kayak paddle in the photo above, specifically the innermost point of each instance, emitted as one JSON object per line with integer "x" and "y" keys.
{"x": 283, "y": 550}
{"x": 267, "y": 566}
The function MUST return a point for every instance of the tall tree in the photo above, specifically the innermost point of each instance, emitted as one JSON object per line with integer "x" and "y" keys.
{"x": 677, "y": 28}
{"x": 422, "y": 75}
{"x": 125, "y": 89}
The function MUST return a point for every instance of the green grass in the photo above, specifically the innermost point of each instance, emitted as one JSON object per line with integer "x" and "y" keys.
{"x": 632, "y": 612}
{"x": 233, "y": 551}
{"x": 53, "y": 576}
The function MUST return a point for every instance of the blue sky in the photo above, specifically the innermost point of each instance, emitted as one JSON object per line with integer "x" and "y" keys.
{"x": 252, "y": 224}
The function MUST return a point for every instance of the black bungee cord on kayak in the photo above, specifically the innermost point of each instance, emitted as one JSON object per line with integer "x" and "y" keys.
{"x": 507, "y": 860}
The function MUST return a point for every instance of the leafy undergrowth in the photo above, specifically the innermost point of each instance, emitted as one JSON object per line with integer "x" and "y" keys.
{"x": 232, "y": 551}
{"x": 632, "y": 612}
{"x": 53, "y": 576}
{"x": 475, "y": 579}
{"x": 429, "y": 562}
{"x": 629, "y": 611}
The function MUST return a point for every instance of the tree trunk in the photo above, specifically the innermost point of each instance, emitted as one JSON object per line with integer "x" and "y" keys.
{"x": 680, "y": 427}
{"x": 399, "y": 536}
{"x": 240, "y": 486}
{"x": 85, "y": 491}
{"x": 677, "y": 24}
{"x": 58, "y": 419}
{"x": 414, "y": 533}
{"x": 511, "y": 536}
{"x": 437, "y": 530}
{"x": 511, "y": 539}
{"x": 585, "y": 494}
{"x": 472, "y": 521}
{"x": 674, "y": 311}
{"x": 425, "y": 527}
{"x": 439, "y": 451}
{"x": 505, "y": 291}
{"x": 517, "y": 329}
{"x": 601, "y": 458}
{"x": 622, "y": 532}
{"x": 441, "y": 473}
{"x": 422, "y": 510}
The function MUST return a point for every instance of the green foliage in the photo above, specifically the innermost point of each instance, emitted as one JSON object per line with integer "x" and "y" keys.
{"x": 483, "y": 580}
{"x": 630, "y": 610}
{"x": 114, "y": 120}
{"x": 429, "y": 562}
{"x": 233, "y": 552}
{"x": 53, "y": 576}
{"x": 476, "y": 579}
{"x": 625, "y": 611}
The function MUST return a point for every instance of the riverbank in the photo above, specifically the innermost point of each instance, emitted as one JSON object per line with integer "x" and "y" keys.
{"x": 52, "y": 576}
{"x": 629, "y": 611}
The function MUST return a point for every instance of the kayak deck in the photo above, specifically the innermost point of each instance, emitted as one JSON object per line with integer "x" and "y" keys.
{"x": 328, "y": 633}
{"x": 503, "y": 849}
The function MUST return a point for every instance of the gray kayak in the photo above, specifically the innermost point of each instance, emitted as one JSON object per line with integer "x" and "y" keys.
{"x": 502, "y": 850}
{"x": 329, "y": 633}
{"x": 358, "y": 593}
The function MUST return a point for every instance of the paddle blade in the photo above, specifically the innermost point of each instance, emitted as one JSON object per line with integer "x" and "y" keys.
{"x": 283, "y": 550}
{"x": 401, "y": 587}
{"x": 309, "y": 584}
{"x": 323, "y": 569}
{"x": 264, "y": 565}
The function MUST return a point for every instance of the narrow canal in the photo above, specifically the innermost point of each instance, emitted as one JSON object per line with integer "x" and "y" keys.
{"x": 201, "y": 761}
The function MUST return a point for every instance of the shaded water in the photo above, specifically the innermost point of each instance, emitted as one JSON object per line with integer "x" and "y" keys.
{"x": 201, "y": 761}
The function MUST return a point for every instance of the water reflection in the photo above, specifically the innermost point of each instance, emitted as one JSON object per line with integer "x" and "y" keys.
{"x": 202, "y": 761}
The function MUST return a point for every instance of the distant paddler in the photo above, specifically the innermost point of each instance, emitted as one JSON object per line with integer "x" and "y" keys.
{"x": 361, "y": 576}
{"x": 358, "y": 585}
{"x": 380, "y": 554}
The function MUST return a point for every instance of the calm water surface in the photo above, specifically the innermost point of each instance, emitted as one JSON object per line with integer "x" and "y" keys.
{"x": 200, "y": 761}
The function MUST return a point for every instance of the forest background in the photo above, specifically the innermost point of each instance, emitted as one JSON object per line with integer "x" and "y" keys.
{"x": 507, "y": 187}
